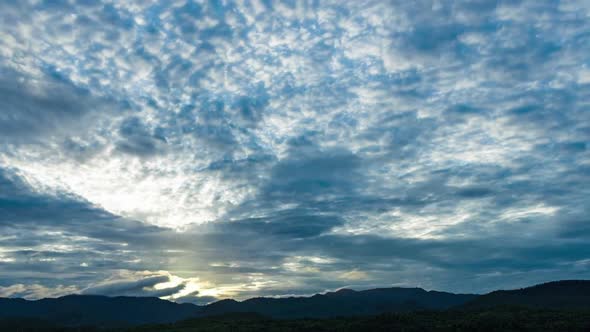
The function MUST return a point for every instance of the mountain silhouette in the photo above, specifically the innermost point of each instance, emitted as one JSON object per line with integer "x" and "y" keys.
{"x": 343, "y": 303}
{"x": 75, "y": 310}
{"x": 566, "y": 294}
{"x": 92, "y": 310}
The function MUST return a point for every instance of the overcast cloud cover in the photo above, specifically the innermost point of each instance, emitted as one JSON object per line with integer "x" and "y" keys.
{"x": 197, "y": 150}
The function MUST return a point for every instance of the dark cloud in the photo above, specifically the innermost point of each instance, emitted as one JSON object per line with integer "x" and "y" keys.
{"x": 292, "y": 224}
{"x": 59, "y": 233}
{"x": 321, "y": 173}
{"x": 250, "y": 108}
{"x": 194, "y": 298}
{"x": 474, "y": 192}
{"x": 141, "y": 287}
{"x": 20, "y": 204}
{"x": 138, "y": 139}
{"x": 33, "y": 108}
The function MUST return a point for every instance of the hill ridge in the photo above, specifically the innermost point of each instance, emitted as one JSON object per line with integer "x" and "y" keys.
{"x": 77, "y": 309}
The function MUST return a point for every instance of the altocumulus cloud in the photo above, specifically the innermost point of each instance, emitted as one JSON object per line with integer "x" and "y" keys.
{"x": 195, "y": 150}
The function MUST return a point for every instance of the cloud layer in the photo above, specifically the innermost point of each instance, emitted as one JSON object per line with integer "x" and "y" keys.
{"x": 199, "y": 150}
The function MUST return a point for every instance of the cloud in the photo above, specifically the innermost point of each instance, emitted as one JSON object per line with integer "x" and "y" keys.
{"x": 36, "y": 291}
{"x": 48, "y": 104}
{"x": 22, "y": 204}
{"x": 136, "y": 138}
{"x": 137, "y": 287}
{"x": 194, "y": 298}
{"x": 418, "y": 143}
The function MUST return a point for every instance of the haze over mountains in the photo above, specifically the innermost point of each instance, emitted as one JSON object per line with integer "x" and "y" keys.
{"x": 76, "y": 310}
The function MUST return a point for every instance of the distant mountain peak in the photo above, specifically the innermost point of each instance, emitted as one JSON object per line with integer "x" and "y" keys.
{"x": 342, "y": 291}
{"x": 226, "y": 301}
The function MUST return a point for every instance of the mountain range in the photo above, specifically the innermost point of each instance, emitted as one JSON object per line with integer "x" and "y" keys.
{"x": 94, "y": 310}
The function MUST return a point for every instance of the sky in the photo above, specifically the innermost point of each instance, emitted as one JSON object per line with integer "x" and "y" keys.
{"x": 200, "y": 150}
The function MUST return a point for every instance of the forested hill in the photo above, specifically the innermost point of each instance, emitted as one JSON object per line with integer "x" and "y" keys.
{"x": 91, "y": 310}
{"x": 564, "y": 294}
